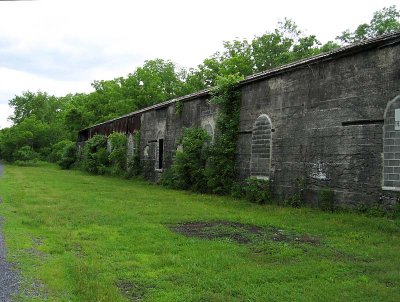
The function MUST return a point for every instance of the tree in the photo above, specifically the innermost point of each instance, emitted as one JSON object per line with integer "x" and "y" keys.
{"x": 383, "y": 21}
{"x": 45, "y": 107}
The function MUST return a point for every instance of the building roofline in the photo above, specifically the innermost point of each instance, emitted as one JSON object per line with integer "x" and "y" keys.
{"x": 381, "y": 41}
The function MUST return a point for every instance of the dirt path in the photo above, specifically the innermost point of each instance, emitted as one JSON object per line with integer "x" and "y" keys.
{"x": 8, "y": 276}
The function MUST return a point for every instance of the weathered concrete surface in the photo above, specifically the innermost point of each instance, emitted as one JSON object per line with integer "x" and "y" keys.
{"x": 168, "y": 124}
{"x": 326, "y": 127}
{"x": 327, "y": 119}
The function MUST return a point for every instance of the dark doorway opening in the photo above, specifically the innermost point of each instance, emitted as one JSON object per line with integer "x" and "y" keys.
{"x": 160, "y": 153}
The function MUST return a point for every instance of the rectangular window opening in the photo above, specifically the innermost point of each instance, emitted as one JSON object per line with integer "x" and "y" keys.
{"x": 160, "y": 153}
{"x": 362, "y": 122}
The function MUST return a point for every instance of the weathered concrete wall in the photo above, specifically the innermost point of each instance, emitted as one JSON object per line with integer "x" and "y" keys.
{"x": 330, "y": 121}
{"x": 167, "y": 124}
{"x": 327, "y": 119}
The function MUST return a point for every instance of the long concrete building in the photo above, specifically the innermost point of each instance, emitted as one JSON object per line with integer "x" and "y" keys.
{"x": 332, "y": 120}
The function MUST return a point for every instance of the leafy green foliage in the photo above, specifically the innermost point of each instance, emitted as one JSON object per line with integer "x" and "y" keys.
{"x": 384, "y": 21}
{"x": 179, "y": 108}
{"x": 254, "y": 190}
{"x": 240, "y": 57}
{"x": 57, "y": 151}
{"x": 95, "y": 155}
{"x": 378, "y": 209}
{"x": 118, "y": 153}
{"x": 44, "y": 107}
{"x": 32, "y": 132}
{"x": 221, "y": 169}
{"x": 188, "y": 170}
{"x": 25, "y": 153}
{"x": 68, "y": 156}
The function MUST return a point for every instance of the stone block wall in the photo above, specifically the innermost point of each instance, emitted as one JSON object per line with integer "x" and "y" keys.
{"x": 167, "y": 124}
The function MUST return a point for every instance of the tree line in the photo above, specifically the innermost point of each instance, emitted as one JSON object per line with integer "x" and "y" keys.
{"x": 44, "y": 124}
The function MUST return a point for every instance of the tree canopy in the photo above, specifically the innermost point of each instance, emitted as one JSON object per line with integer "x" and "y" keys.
{"x": 384, "y": 21}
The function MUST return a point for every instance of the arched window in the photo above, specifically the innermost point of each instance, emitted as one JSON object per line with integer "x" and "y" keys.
{"x": 261, "y": 145}
{"x": 391, "y": 146}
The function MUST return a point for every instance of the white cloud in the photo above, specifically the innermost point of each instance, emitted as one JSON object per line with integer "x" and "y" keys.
{"x": 15, "y": 82}
{"x": 5, "y": 112}
{"x": 61, "y": 46}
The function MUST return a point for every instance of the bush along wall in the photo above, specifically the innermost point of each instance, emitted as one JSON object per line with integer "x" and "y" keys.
{"x": 95, "y": 155}
{"x": 118, "y": 154}
{"x": 188, "y": 171}
{"x": 68, "y": 155}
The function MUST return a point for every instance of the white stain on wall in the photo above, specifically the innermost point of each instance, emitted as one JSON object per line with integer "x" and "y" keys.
{"x": 318, "y": 170}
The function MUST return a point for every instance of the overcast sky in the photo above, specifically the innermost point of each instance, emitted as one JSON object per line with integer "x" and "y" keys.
{"x": 62, "y": 46}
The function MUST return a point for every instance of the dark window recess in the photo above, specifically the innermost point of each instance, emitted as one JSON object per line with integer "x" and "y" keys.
{"x": 160, "y": 153}
{"x": 362, "y": 122}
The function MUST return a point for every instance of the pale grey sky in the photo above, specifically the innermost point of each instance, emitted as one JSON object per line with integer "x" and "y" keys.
{"x": 62, "y": 46}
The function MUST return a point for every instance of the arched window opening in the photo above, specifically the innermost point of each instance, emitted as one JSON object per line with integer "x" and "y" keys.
{"x": 261, "y": 145}
{"x": 391, "y": 146}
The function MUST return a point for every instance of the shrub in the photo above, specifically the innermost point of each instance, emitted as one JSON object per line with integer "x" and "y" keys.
{"x": 68, "y": 156}
{"x": 57, "y": 151}
{"x": 188, "y": 170}
{"x": 95, "y": 155}
{"x": 117, "y": 156}
{"x": 257, "y": 190}
{"x": 377, "y": 209}
{"x": 25, "y": 153}
{"x": 326, "y": 199}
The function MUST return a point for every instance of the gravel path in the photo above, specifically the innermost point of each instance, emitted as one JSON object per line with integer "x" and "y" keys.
{"x": 8, "y": 276}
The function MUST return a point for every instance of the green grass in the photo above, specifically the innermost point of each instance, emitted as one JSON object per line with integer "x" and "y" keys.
{"x": 93, "y": 238}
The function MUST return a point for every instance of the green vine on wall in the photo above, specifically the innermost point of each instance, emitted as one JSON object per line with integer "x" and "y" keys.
{"x": 134, "y": 164}
{"x": 202, "y": 168}
{"x": 179, "y": 107}
{"x": 221, "y": 168}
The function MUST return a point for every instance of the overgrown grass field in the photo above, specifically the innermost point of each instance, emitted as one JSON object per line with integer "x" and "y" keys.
{"x": 77, "y": 237}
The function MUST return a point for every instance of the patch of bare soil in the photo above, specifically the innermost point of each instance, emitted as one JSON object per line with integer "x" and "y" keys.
{"x": 133, "y": 291}
{"x": 240, "y": 233}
